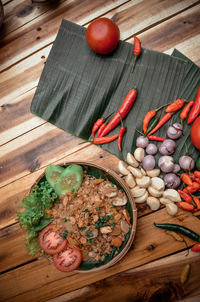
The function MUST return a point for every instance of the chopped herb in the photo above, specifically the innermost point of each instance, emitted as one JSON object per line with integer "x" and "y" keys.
{"x": 64, "y": 235}
{"x": 108, "y": 217}
{"x": 114, "y": 206}
{"x": 112, "y": 223}
{"x": 111, "y": 217}
{"x": 64, "y": 219}
{"x": 104, "y": 224}
{"x": 57, "y": 201}
{"x": 86, "y": 211}
{"x": 91, "y": 240}
{"x": 122, "y": 190}
{"x": 97, "y": 208}
{"x": 88, "y": 234}
{"x": 101, "y": 218}
{"x": 34, "y": 217}
{"x": 72, "y": 190}
{"x": 112, "y": 184}
{"x": 75, "y": 194}
{"x": 83, "y": 228}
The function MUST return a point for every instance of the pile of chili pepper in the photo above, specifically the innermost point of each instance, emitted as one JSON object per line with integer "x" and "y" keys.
{"x": 189, "y": 201}
{"x": 102, "y": 126}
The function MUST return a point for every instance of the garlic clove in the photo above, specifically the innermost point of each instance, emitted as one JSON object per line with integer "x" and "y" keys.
{"x": 143, "y": 181}
{"x": 142, "y": 198}
{"x": 153, "y": 203}
{"x": 122, "y": 167}
{"x": 157, "y": 183}
{"x": 139, "y": 154}
{"x": 135, "y": 171}
{"x": 130, "y": 180}
{"x": 172, "y": 209}
{"x": 131, "y": 160}
{"x": 153, "y": 173}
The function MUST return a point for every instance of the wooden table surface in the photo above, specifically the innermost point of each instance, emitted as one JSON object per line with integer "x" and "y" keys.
{"x": 151, "y": 269}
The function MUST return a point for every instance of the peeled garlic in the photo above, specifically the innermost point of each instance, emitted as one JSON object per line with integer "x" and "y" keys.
{"x": 171, "y": 208}
{"x": 171, "y": 194}
{"x": 131, "y": 160}
{"x": 143, "y": 171}
{"x": 143, "y": 181}
{"x": 153, "y": 203}
{"x": 153, "y": 192}
{"x": 139, "y": 154}
{"x": 138, "y": 192}
{"x": 165, "y": 201}
{"x": 153, "y": 173}
{"x": 157, "y": 183}
{"x": 130, "y": 180}
{"x": 142, "y": 198}
{"x": 122, "y": 167}
{"x": 136, "y": 172}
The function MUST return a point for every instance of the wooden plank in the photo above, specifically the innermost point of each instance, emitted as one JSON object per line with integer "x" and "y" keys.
{"x": 159, "y": 280}
{"x": 150, "y": 243}
{"x": 181, "y": 32}
{"x": 42, "y": 31}
{"x": 16, "y": 118}
{"x": 25, "y": 75}
{"x": 32, "y": 40}
{"x": 20, "y": 12}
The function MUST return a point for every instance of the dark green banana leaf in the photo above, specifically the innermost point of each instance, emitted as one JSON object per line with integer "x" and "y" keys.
{"x": 77, "y": 86}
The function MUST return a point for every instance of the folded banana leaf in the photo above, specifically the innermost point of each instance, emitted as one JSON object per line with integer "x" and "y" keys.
{"x": 77, "y": 86}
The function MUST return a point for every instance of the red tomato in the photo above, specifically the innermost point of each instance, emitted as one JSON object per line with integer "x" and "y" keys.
{"x": 195, "y": 133}
{"x": 50, "y": 240}
{"x": 68, "y": 260}
{"x": 102, "y": 35}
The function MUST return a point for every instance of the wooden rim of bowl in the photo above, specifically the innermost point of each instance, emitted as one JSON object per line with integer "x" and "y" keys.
{"x": 133, "y": 207}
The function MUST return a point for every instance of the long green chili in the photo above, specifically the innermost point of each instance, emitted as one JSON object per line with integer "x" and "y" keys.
{"x": 179, "y": 229}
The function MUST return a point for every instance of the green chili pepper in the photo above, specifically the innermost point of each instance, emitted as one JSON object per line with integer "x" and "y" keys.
{"x": 179, "y": 229}
{"x": 153, "y": 124}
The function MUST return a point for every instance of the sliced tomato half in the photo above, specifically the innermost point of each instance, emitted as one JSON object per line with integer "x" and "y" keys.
{"x": 68, "y": 260}
{"x": 50, "y": 240}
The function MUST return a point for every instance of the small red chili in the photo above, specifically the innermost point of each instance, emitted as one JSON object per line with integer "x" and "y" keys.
{"x": 121, "y": 134}
{"x": 185, "y": 206}
{"x": 186, "y": 179}
{"x": 104, "y": 140}
{"x": 162, "y": 121}
{"x": 197, "y": 174}
{"x": 98, "y": 123}
{"x": 175, "y": 106}
{"x": 123, "y": 110}
{"x": 149, "y": 116}
{"x": 156, "y": 138}
{"x": 197, "y": 202}
{"x": 196, "y": 247}
{"x": 185, "y": 196}
{"x": 136, "y": 50}
{"x": 185, "y": 111}
{"x": 195, "y": 108}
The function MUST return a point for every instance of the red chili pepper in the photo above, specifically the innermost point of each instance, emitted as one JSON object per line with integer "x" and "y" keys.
{"x": 121, "y": 134}
{"x": 149, "y": 116}
{"x": 136, "y": 50}
{"x": 186, "y": 179}
{"x": 196, "y": 179}
{"x": 185, "y": 206}
{"x": 104, "y": 140}
{"x": 98, "y": 123}
{"x": 185, "y": 196}
{"x": 101, "y": 128}
{"x": 156, "y": 138}
{"x": 190, "y": 189}
{"x": 123, "y": 110}
{"x": 196, "y": 185}
{"x": 195, "y": 108}
{"x": 175, "y": 106}
{"x": 197, "y": 202}
{"x": 196, "y": 247}
{"x": 185, "y": 111}
{"x": 197, "y": 173}
{"x": 162, "y": 121}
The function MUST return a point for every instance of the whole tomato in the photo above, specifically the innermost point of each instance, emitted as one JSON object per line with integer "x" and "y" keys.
{"x": 195, "y": 133}
{"x": 102, "y": 35}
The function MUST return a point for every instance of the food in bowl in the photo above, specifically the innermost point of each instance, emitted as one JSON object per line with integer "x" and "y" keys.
{"x": 90, "y": 220}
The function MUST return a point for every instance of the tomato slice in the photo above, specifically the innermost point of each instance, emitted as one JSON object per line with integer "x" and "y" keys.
{"x": 50, "y": 240}
{"x": 68, "y": 260}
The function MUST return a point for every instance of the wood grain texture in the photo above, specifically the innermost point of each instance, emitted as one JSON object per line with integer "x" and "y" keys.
{"x": 150, "y": 243}
{"x": 156, "y": 281}
{"x": 42, "y": 31}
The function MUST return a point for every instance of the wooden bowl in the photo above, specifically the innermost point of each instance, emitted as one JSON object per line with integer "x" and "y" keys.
{"x": 112, "y": 176}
